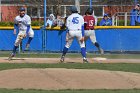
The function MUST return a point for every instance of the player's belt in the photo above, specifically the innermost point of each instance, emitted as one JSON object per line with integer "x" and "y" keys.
{"x": 22, "y": 30}
{"x": 75, "y": 30}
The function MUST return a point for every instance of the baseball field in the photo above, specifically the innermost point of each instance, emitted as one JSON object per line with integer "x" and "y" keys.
{"x": 42, "y": 73}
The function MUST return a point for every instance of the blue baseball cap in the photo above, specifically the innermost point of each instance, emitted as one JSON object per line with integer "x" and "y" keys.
{"x": 105, "y": 15}
{"x": 22, "y": 9}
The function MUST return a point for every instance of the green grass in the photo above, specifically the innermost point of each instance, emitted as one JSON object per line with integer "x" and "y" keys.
{"x": 127, "y": 67}
{"x": 73, "y": 55}
{"x": 69, "y": 91}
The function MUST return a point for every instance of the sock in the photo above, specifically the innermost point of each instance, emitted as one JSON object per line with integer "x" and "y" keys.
{"x": 85, "y": 46}
{"x": 14, "y": 49}
{"x": 64, "y": 51}
{"x": 29, "y": 40}
{"x": 83, "y": 52}
{"x": 97, "y": 44}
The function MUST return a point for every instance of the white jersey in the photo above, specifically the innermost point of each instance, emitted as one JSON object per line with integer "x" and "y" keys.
{"x": 23, "y": 22}
{"x": 75, "y": 22}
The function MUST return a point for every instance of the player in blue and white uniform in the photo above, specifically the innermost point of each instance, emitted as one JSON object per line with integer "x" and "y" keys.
{"x": 22, "y": 23}
{"x": 75, "y": 26}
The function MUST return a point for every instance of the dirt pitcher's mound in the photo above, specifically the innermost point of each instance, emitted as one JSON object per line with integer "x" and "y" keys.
{"x": 52, "y": 79}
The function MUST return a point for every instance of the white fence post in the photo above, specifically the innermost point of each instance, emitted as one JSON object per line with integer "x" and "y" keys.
{"x": 65, "y": 14}
{"x": 113, "y": 20}
{"x": 125, "y": 19}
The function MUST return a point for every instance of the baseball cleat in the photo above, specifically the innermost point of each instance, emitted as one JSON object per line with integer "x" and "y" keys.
{"x": 101, "y": 51}
{"x": 11, "y": 56}
{"x": 27, "y": 47}
{"x": 85, "y": 60}
{"x": 62, "y": 58}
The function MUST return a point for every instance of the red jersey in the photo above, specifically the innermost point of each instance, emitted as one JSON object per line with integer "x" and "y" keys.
{"x": 90, "y": 22}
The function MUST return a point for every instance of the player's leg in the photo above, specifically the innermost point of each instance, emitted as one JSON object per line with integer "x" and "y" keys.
{"x": 82, "y": 45}
{"x": 86, "y": 37}
{"x": 94, "y": 41}
{"x": 31, "y": 35}
{"x": 83, "y": 51}
{"x": 16, "y": 44}
{"x": 13, "y": 52}
{"x": 99, "y": 48}
{"x": 28, "y": 43}
{"x": 69, "y": 40}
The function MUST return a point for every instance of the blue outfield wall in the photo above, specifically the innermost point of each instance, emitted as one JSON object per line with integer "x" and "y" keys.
{"x": 7, "y": 39}
{"x": 109, "y": 39}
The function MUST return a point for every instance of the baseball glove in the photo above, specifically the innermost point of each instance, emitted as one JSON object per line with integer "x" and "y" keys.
{"x": 22, "y": 36}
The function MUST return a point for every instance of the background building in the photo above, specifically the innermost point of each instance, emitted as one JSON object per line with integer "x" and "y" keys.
{"x": 9, "y": 8}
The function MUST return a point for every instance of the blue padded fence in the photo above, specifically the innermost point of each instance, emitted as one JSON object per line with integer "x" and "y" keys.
{"x": 109, "y": 39}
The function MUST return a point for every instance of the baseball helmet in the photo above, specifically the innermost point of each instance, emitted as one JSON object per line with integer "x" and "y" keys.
{"x": 138, "y": 5}
{"x": 73, "y": 9}
{"x": 22, "y": 9}
{"x": 89, "y": 11}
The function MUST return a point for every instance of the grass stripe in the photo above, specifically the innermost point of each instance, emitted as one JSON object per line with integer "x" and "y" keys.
{"x": 127, "y": 67}
{"x": 73, "y": 55}
{"x": 69, "y": 91}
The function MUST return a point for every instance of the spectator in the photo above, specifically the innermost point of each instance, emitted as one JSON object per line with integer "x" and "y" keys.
{"x": 134, "y": 15}
{"x": 50, "y": 21}
{"x": 64, "y": 24}
{"x": 106, "y": 21}
{"x": 58, "y": 21}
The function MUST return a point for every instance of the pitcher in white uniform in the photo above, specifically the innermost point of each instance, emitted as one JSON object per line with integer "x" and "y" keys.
{"x": 22, "y": 23}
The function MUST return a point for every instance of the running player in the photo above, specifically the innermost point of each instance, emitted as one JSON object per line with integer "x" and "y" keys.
{"x": 89, "y": 22}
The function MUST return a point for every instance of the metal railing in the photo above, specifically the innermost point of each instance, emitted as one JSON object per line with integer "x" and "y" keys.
{"x": 125, "y": 16}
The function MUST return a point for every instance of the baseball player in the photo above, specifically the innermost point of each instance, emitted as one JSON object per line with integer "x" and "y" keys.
{"x": 23, "y": 24}
{"x": 75, "y": 26}
{"x": 89, "y": 22}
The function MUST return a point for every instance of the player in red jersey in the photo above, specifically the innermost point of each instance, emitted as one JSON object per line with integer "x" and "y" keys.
{"x": 89, "y": 22}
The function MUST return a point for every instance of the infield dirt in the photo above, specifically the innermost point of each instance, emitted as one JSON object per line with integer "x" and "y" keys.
{"x": 58, "y": 78}
{"x": 61, "y": 78}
